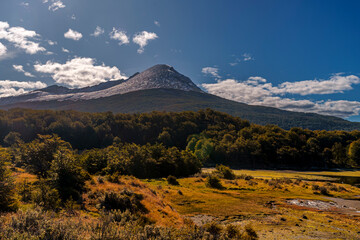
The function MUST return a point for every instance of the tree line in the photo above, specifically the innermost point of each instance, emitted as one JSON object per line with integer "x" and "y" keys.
{"x": 213, "y": 138}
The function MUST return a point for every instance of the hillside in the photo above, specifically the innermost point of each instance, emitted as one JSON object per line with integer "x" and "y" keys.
{"x": 162, "y": 88}
{"x": 172, "y": 100}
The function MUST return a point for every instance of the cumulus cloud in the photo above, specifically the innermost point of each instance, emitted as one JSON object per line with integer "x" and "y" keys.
{"x": 98, "y": 31}
{"x": 119, "y": 36}
{"x": 80, "y": 72}
{"x": 142, "y": 39}
{"x": 3, "y": 50}
{"x": 13, "y": 88}
{"x": 55, "y": 5}
{"x": 212, "y": 71}
{"x": 65, "y": 50}
{"x": 257, "y": 91}
{"x": 74, "y": 35}
{"x": 21, "y": 38}
{"x": 336, "y": 84}
{"x": 20, "y": 68}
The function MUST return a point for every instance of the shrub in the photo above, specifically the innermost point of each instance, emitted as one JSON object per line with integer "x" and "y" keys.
{"x": 246, "y": 177}
{"x": 24, "y": 190}
{"x": 113, "y": 178}
{"x": 94, "y": 160}
{"x": 315, "y": 187}
{"x": 213, "y": 182}
{"x": 7, "y": 187}
{"x": 125, "y": 200}
{"x": 232, "y": 231}
{"x": 46, "y": 197}
{"x": 172, "y": 180}
{"x": 249, "y": 233}
{"x": 100, "y": 179}
{"x": 324, "y": 191}
{"x": 38, "y": 224}
{"x": 213, "y": 228}
{"x": 66, "y": 176}
{"x": 225, "y": 172}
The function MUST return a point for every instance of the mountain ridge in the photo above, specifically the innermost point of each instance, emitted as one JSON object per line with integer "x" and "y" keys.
{"x": 162, "y": 88}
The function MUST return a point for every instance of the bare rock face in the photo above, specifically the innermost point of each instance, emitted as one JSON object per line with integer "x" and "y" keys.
{"x": 161, "y": 76}
{"x": 158, "y": 76}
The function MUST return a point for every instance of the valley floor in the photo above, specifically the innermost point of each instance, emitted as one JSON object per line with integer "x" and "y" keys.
{"x": 277, "y": 204}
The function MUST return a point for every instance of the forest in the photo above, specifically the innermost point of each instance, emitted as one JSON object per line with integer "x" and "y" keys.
{"x": 208, "y": 136}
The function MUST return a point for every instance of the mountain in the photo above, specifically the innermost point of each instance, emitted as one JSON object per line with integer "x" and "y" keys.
{"x": 162, "y": 88}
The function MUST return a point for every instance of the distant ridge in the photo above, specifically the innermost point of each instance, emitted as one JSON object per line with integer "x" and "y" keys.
{"x": 162, "y": 88}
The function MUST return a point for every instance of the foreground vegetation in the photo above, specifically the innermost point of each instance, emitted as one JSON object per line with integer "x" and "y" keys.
{"x": 237, "y": 206}
{"x": 141, "y": 176}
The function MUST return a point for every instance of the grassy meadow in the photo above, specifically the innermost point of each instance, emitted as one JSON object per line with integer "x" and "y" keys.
{"x": 258, "y": 199}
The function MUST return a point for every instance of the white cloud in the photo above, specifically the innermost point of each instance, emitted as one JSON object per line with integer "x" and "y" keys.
{"x": 257, "y": 91}
{"x": 98, "y": 31}
{"x": 20, "y": 37}
{"x": 243, "y": 58}
{"x": 212, "y": 71}
{"x": 247, "y": 57}
{"x": 143, "y": 38}
{"x": 65, "y": 50}
{"x": 51, "y": 43}
{"x": 24, "y": 4}
{"x": 336, "y": 84}
{"x": 119, "y": 36}
{"x": 13, "y": 88}
{"x": 20, "y": 68}
{"x": 80, "y": 72}
{"x": 72, "y": 34}
{"x": 157, "y": 23}
{"x": 55, "y": 5}
{"x": 3, "y": 50}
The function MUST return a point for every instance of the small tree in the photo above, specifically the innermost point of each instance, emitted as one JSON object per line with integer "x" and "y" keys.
{"x": 67, "y": 177}
{"x": 13, "y": 138}
{"x": 354, "y": 152}
{"x": 38, "y": 155}
{"x": 7, "y": 187}
{"x": 213, "y": 182}
{"x": 225, "y": 172}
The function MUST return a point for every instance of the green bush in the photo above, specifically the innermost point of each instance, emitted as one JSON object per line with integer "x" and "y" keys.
{"x": 172, "y": 180}
{"x": 324, "y": 191}
{"x": 213, "y": 182}
{"x": 225, "y": 172}
{"x": 125, "y": 200}
{"x": 46, "y": 197}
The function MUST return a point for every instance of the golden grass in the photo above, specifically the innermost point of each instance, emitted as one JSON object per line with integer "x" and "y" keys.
{"x": 159, "y": 209}
{"x": 245, "y": 202}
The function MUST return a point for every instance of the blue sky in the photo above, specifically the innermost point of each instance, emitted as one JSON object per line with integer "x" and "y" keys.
{"x": 295, "y": 55}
